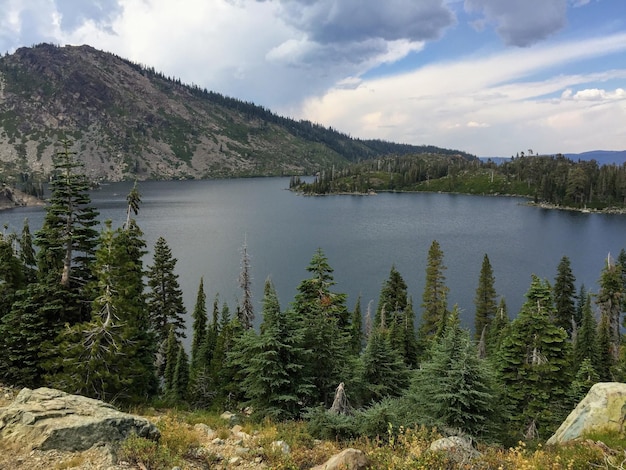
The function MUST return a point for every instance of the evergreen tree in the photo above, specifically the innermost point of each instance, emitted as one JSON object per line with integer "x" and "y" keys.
{"x": 605, "y": 358}
{"x": 586, "y": 346}
{"x": 392, "y": 299}
{"x": 384, "y": 372}
{"x": 67, "y": 240}
{"x": 564, "y": 296}
{"x": 12, "y": 274}
{"x": 324, "y": 318}
{"x": 581, "y": 299}
{"x": 609, "y": 300}
{"x": 171, "y": 356}
{"x": 435, "y": 297}
{"x": 200, "y": 322}
{"x": 455, "y": 388}
{"x": 246, "y": 309}
{"x": 356, "y": 328}
{"x": 273, "y": 381}
{"x": 533, "y": 364}
{"x": 181, "y": 375}
{"x": 27, "y": 253}
{"x": 586, "y": 377}
{"x": 112, "y": 354}
{"x": 485, "y": 299}
{"x": 165, "y": 299}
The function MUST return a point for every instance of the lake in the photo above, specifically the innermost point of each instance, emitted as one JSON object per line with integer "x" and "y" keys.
{"x": 207, "y": 222}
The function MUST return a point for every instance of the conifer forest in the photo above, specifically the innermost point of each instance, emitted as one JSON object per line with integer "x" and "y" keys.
{"x": 80, "y": 311}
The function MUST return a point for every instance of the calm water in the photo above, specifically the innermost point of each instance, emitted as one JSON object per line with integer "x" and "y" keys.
{"x": 206, "y": 223}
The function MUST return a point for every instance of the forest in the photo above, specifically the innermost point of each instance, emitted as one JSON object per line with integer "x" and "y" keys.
{"x": 554, "y": 180}
{"x": 79, "y": 311}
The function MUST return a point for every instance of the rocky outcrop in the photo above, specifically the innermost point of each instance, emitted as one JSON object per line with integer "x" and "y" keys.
{"x": 458, "y": 448}
{"x": 47, "y": 419}
{"x": 348, "y": 459}
{"x": 11, "y": 197}
{"x": 604, "y": 408}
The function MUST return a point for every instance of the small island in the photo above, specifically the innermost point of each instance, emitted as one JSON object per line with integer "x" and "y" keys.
{"x": 548, "y": 181}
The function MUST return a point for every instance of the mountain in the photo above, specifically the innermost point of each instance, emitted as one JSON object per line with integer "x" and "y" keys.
{"x": 129, "y": 121}
{"x": 603, "y": 157}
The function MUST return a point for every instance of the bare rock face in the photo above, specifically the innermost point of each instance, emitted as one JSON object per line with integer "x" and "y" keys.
{"x": 47, "y": 419}
{"x": 348, "y": 459}
{"x": 604, "y": 408}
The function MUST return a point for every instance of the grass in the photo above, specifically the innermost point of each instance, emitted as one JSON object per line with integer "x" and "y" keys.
{"x": 399, "y": 450}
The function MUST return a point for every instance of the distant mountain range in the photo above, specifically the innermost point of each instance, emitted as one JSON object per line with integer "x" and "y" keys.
{"x": 129, "y": 121}
{"x": 603, "y": 157}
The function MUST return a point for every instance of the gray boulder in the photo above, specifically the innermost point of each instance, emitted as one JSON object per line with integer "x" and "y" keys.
{"x": 459, "y": 448}
{"x": 604, "y": 408}
{"x": 48, "y": 419}
{"x": 348, "y": 459}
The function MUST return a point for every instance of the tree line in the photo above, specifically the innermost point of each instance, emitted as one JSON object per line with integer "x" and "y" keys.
{"x": 79, "y": 311}
{"x": 553, "y": 179}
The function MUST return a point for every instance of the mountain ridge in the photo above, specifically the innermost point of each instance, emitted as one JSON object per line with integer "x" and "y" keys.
{"x": 128, "y": 121}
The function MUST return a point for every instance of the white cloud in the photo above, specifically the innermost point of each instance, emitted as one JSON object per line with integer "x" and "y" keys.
{"x": 426, "y": 106}
{"x": 594, "y": 94}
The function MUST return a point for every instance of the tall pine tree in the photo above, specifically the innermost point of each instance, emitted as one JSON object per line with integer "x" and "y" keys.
{"x": 485, "y": 300}
{"x": 565, "y": 296}
{"x": 434, "y": 298}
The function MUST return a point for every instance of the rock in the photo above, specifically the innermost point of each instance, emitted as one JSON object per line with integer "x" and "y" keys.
{"x": 234, "y": 461}
{"x": 204, "y": 429}
{"x": 604, "y": 408}
{"x": 47, "y": 419}
{"x": 459, "y": 448}
{"x": 227, "y": 416}
{"x": 348, "y": 459}
{"x": 217, "y": 441}
{"x": 282, "y": 446}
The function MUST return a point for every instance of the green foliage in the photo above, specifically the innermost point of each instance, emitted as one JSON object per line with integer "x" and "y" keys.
{"x": 455, "y": 388}
{"x": 533, "y": 365}
{"x": 565, "y": 295}
{"x": 273, "y": 363}
{"x": 485, "y": 299}
{"x": 434, "y": 298}
{"x": 324, "y": 319}
{"x": 384, "y": 372}
{"x": 200, "y": 321}
{"x": 165, "y": 299}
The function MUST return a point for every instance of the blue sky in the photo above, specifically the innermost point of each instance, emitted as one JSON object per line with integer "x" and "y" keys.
{"x": 491, "y": 77}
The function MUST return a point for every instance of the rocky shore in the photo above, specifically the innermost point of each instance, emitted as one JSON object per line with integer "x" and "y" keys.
{"x": 11, "y": 197}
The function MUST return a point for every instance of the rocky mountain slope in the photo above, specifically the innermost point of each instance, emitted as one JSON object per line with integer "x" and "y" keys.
{"x": 129, "y": 121}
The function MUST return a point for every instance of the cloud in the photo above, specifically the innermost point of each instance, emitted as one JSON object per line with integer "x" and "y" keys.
{"x": 521, "y": 22}
{"x": 594, "y": 94}
{"x": 490, "y": 105}
{"x": 346, "y": 21}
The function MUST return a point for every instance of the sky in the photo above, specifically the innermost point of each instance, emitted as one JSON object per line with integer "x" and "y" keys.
{"x": 490, "y": 77}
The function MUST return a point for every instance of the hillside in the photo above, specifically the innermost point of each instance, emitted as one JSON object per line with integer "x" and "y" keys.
{"x": 129, "y": 121}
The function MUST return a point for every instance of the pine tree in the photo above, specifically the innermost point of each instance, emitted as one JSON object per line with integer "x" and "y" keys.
{"x": 112, "y": 354}
{"x": 384, "y": 372}
{"x": 581, "y": 299}
{"x": 609, "y": 300}
{"x": 586, "y": 377}
{"x": 564, "y": 296}
{"x": 356, "y": 328}
{"x": 165, "y": 299}
{"x": 200, "y": 322}
{"x": 27, "y": 253}
{"x": 435, "y": 297}
{"x": 324, "y": 318}
{"x": 12, "y": 274}
{"x": 66, "y": 249}
{"x": 533, "y": 363}
{"x": 180, "y": 381}
{"x": 246, "y": 309}
{"x": 273, "y": 381}
{"x": 67, "y": 240}
{"x": 455, "y": 388}
{"x": 171, "y": 356}
{"x": 485, "y": 299}
{"x": 586, "y": 345}
{"x": 392, "y": 299}
{"x": 605, "y": 358}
